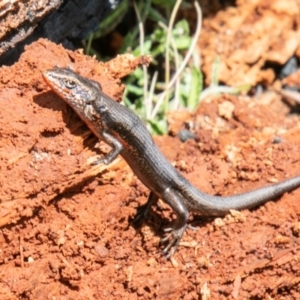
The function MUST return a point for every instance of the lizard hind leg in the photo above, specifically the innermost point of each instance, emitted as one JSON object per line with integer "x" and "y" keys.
{"x": 143, "y": 210}
{"x": 174, "y": 199}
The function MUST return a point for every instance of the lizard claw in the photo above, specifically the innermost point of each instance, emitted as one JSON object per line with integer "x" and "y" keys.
{"x": 173, "y": 239}
{"x": 142, "y": 213}
{"x": 192, "y": 227}
{"x": 100, "y": 161}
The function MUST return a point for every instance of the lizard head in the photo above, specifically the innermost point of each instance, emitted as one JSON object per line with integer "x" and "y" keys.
{"x": 80, "y": 93}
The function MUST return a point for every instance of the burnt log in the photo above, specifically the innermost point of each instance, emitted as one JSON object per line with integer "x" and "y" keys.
{"x": 66, "y": 22}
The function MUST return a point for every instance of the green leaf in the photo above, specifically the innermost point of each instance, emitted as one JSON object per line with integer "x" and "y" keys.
{"x": 109, "y": 23}
{"x": 181, "y": 28}
{"x": 127, "y": 42}
{"x": 156, "y": 16}
{"x": 158, "y": 126}
{"x": 147, "y": 48}
{"x": 136, "y": 90}
{"x": 195, "y": 88}
{"x": 164, "y": 3}
{"x": 183, "y": 42}
{"x": 159, "y": 36}
{"x": 215, "y": 71}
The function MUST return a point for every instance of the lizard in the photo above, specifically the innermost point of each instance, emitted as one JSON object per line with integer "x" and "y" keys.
{"x": 127, "y": 135}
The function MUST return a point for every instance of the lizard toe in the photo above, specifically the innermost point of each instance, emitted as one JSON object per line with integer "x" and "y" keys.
{"x": 173, "y": 239}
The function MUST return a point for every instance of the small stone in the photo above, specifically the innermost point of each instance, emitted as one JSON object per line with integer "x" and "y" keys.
{"x": 101, "y": 250}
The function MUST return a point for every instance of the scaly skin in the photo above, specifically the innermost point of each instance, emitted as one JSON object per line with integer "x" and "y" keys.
{"x": 127, "y": 135}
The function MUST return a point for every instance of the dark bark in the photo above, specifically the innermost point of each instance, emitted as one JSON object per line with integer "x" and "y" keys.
{"x": 65, "y": 22}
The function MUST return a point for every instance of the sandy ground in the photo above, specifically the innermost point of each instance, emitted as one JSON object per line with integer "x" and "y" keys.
{"x": 66, "y": 226}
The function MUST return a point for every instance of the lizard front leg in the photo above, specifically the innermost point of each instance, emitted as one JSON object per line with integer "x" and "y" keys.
{"x": 117, "y": 147}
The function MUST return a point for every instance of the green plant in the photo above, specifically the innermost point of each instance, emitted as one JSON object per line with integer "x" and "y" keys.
{"x": 181, "y": 85}
{"x": 183, "y": 89}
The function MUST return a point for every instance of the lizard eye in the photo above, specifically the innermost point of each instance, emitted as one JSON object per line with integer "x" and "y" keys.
{"x": 70, "y": 84}
{"x": 103, "y": 108}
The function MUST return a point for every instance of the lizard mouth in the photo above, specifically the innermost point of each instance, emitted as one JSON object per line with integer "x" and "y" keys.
{"x": 47, "y": 77}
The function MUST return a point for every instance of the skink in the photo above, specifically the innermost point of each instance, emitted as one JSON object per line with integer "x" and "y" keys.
{"x": 119, "y": 127}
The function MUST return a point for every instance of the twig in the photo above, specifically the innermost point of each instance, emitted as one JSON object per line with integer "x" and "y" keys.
{"x": 167, "y": 61}
{"x": 185, "y": 61}
{"x": 142, "y": 40}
